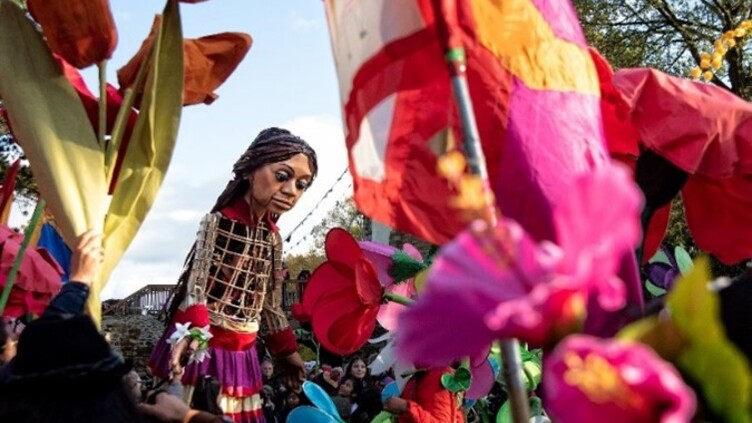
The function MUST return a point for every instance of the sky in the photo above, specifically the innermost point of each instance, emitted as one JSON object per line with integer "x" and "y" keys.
{"x": 287, "y": 80}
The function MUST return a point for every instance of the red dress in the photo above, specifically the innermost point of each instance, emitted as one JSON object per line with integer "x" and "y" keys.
{"x": 429, "y": 402}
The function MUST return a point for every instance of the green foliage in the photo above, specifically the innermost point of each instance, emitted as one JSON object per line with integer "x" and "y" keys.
{"x": 669, "y": 35}
{"x": 306, "y": 261}
{"x": 10, "y": 151}
{"x": 345, "y": 215}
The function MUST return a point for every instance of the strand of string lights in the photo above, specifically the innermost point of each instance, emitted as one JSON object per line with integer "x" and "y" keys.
{"x": 288, "y": 237}
{"x": 305, "y": 237}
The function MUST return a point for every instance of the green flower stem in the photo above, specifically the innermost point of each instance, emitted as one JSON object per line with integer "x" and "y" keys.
{"x": 399, "y": 299}
{"x": 19, "y": 257}
{"x": 121, "y": 120}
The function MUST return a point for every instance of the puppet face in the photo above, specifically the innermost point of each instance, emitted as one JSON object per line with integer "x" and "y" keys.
{"x": 276, "y": 187}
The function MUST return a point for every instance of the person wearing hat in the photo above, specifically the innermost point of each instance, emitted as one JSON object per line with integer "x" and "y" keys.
{"x": 64, "y": 370}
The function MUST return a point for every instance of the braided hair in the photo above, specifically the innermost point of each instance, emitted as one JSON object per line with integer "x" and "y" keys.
{"x": 272, "y": 145}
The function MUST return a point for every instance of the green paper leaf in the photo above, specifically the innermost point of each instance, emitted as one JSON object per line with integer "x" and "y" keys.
{"x": 683, "y": 260}
{"x": 536, "y": 407}
{"x": 710, "y": 359}
{"x": 51, "y": 125}
{"x": 660, "y": 257}
{"x": 533, "y": 373}
{"x": 459, "y": 381}
{"x": 654, "y": 290}
{"x": 505, "y": 413}
{"x": 384, "y": 417}
{"x": 152, "y": 142}
{"x": 405, "y": 267}
{"x": 661, "y": 334}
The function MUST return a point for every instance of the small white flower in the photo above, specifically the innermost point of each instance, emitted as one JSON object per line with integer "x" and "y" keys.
{"x": 199, "y": 355}
{"x": 181, "y": 332}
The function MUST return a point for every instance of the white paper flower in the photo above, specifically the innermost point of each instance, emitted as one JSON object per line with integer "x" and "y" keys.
{"x": 181, "y": 332}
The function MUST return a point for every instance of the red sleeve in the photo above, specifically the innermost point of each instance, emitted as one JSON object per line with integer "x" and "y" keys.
{"x": 197, "y": 315}
{"x": 434, "y": 404}
{"x": 282, "y": 343}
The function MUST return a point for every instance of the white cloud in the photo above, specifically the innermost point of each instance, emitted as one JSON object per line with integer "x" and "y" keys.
{"x": 185, "y": 215}
{"x": 302, "y": 24}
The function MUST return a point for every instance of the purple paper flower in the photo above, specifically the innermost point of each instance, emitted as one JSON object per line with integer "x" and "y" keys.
{"x": 496, "y": 283}
{"x": 587, "y": 379}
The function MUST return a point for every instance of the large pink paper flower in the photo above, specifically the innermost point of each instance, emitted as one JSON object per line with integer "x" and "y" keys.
{"x": 588, "y": 379}
{"x": 496, "y": 283}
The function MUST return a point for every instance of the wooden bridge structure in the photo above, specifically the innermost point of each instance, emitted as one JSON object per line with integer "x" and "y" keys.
{"x": 151, "y": 299}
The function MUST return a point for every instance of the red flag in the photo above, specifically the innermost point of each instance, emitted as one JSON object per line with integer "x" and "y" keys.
{"x": 534, "y": 90}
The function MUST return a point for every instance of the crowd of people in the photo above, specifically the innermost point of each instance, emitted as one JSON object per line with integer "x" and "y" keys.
{"x": 355, "y": 393}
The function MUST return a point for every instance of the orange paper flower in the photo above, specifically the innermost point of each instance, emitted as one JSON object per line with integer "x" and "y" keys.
{"x": 81, "y": 32}
{"x": 209, "y": 61}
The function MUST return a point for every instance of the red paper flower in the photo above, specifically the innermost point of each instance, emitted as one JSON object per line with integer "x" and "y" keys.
{"x": 38, "y": 278}
{"x": 82, "y": 32}
{"x": 343, "y": 295}
{"x": 696, "y": 129}
{"x": 208, "y": 62}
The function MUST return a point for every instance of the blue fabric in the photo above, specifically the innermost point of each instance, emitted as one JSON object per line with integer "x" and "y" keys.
{"x": 69, "y": 301}
{"x": 51, "y": 241}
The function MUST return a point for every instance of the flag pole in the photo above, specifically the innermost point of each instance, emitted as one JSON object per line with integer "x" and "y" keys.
{"x": 456, "y": 61}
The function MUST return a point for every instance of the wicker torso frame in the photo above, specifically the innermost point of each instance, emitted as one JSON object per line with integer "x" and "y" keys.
{"x": 232, "y": 271}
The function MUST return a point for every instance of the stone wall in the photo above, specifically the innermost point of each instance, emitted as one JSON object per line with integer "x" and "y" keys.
{"x": 134, "y": 337}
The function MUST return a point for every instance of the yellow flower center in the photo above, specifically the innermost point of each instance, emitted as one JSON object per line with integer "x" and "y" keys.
{"x": 599, "y": 380}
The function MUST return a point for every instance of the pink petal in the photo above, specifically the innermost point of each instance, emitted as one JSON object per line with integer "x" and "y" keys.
{"x": 411, "y": 251}
{"x": 483, "y": 380}
{"x": 380, "y": 256}
{"x": 652, "y": 389}
{"x": 599, "y": 218}
{"x": 444, "y": 326}
{"x": 389, "y": 312}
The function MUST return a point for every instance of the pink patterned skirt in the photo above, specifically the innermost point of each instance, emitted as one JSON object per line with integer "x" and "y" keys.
{"x": 238, "y": 373}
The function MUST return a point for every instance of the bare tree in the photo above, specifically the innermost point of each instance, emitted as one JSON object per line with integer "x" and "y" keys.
{"x": 669, "y": 35}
